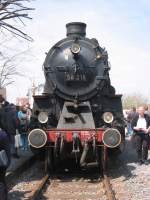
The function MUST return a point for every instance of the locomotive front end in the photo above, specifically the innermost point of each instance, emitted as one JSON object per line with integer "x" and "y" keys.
{"x": 78, "y": 115}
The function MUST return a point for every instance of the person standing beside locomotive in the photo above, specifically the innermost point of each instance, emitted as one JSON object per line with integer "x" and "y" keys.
{"x": 23, "y": 126}
{"x": 141, "y": 127}
{"x": 9, "y": 123}
{"x": 4, "y": 160}
{"x": 28, "y": 111}
{"x": 132, "y": 113}
{"x": 147, "y": 112}
{"x": 13, "y": 118}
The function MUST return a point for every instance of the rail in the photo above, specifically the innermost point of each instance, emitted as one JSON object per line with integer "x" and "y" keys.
{"x": 39, "y": 188}
{"x": 108, "y": 188}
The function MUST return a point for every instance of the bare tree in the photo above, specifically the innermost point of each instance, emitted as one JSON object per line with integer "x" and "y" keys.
{"x": 135, "y": 99}
{"x": 14, "y": 10}
{"x": 11, "y": 12}
{"x": 7, "y": 71}
{"x": 9, "y": 67}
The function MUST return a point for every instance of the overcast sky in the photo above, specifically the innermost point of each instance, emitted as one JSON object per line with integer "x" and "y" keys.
{"x": 122, "y": 27}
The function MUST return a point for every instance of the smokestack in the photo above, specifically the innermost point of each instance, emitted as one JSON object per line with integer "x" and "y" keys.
{"x": 76, "y": 29}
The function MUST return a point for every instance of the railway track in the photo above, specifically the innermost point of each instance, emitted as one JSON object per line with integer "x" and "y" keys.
{"x": 74, "y": 187}
{"x": 85, "y": 185}
{"x": 108, "y": 188}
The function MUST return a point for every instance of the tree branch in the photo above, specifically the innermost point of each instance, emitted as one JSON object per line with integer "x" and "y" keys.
{"x": 14, "y": 9}
{"x": 20, "y": 33}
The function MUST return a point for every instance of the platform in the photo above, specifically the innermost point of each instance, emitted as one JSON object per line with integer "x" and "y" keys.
{"x": 24, "y": 156}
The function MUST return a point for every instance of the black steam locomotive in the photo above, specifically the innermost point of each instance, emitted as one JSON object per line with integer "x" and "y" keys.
{"x": 78, "y": 115}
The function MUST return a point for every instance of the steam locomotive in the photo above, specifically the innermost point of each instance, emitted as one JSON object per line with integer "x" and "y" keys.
{"x": 78, "y": 116}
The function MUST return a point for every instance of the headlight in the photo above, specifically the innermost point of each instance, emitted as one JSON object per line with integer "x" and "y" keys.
{"x": 75, "y": 48}
{"x": 37, "y": 138}
{"x": 111, "y": 138}
{"x": 108, "y": 117}
{"x": 43, "y": 117}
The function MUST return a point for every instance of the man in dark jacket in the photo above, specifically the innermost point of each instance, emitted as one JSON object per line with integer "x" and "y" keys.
{"x": 9, "y": 123}
{"x": 4, "y": 145}
{"x": 141, "y": 127}
{"x": 12, "y": 126}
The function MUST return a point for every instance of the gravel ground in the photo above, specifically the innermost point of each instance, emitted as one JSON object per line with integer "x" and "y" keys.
{"x": 131, "y": 181}
{"x": 23, "y": 186}
{"x": 75, "y": 188}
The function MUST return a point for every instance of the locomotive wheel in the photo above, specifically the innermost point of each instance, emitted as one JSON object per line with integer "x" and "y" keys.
{"x": 49, "y": 160}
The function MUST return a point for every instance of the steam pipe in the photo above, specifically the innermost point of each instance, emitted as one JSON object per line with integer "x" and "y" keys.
{"x": 84, "y": 155}
{"x": 83, "y": 162}
{"x": 57, "y": 146}
{"x": 61, "y": 145}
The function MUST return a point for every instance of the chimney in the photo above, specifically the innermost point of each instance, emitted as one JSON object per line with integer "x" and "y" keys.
{"x": 76, "y": 29}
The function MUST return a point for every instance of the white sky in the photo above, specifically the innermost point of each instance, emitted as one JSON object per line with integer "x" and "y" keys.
{"x": 122, "y": 27}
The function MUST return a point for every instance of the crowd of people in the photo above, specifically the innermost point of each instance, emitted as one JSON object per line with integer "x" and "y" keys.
{"x": 14, "y": 123}
{"x": 138, "y": 128}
